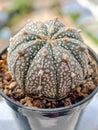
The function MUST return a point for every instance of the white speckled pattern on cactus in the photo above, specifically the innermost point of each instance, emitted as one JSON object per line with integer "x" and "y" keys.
{"x": 48, "y": 58}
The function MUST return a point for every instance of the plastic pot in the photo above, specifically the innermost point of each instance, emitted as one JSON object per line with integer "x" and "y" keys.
{"x": 65, "y": 118}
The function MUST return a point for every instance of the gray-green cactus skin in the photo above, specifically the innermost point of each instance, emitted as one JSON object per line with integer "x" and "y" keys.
{"x": 48, "y": 58}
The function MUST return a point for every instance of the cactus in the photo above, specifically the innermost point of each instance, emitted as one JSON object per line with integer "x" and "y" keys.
{"x": 47, "y": 59}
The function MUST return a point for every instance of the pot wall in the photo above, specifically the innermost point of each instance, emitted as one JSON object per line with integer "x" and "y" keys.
{"x": 31, "y": 120}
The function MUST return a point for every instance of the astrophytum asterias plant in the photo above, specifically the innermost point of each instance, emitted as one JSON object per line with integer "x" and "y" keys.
{"x": 47, "y": 58}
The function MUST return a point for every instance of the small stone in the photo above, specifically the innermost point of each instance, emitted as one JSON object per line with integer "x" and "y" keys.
{"x": 1, "y": 62}
{"x": 67, "y": 102}
{"x": 27, "y": 98}
{"x": 73, "y": 86}
{"x": 84, "y": 95}
{"x": 8, "y": 76}
{"x": 1, "y": 85}
{"x": 3, "y": 57}
{"x": 84, "y": 90}
{"x": 78, "y": 89}
{"x": 91, "y": 86}
{"x": 19, "y": 91}
{"x": 22, "y": 101}
{"x": 6, "y": 82}
{"x": 10, "y": 92}
{"x": 0, "y": 79}
{"x": 96, "y": 81}
{"x": 28, "y": 103}
{"x": 12, "y": 85}
{"x": 6, "y": 92}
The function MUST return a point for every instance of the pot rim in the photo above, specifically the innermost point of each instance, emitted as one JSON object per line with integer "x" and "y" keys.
{"x": 52, "y": 110}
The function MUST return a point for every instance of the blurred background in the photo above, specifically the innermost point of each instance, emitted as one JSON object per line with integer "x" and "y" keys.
{"x": 83, "y": 15}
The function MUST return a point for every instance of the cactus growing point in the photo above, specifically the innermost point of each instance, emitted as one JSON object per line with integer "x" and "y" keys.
{"x": 48, "y": 58}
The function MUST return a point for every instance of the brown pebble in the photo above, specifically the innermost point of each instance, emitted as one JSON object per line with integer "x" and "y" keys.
{"x": 67, "y": 102}
{"x": 1, "y": 85}
{"x": 78, "y": 89}
{"x": 5, "y": 82}
{"x": 84, "y": 90}
{"x": 84, "y": 95}
{"x": 0, "y": 78}
{"x": 96, "y": 81}
{"x": 12, "y": 85}
{"x": 10, "y": 92}
{"x": 8, "y": 77}
{"x": 1, "y": 62}
{"x": 91, "y": 86}
{"x": 22, "y": 101}
{"x": 19, "y": 91}
{"x": 28, "y": 103}
{"x": 3, "y": 57}
{"x": 6, "y": 91}
{"x": 27, "y": 98}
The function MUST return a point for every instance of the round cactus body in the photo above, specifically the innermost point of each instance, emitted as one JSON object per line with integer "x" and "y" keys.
{"x": 47, "y": 58}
